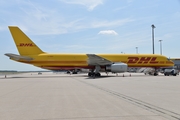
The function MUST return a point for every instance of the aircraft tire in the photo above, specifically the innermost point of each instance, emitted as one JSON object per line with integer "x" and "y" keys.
{"x": 90, "y": 74}
{"x": 94, "y": 74}
{"x": 155, "y": 74}
{"x": 74, "y": 73}
{"x": 98, "y": 74}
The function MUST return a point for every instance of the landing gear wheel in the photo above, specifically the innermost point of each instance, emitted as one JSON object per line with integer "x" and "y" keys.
{"x": 97, "y": 74}
{"x": 92, "y": 74}
{"x": 155, "y": 74}
{"x": 74, "y": 72}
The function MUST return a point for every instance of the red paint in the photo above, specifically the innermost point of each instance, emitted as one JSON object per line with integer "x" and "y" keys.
{"x": 133, "y": 59}
{"x": 142, "y": 60}
{"x": 26, "y": 45}
{"x": 153, "y": 60}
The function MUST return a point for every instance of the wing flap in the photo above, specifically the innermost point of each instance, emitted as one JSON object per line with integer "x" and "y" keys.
{"x": 97, "y": 60}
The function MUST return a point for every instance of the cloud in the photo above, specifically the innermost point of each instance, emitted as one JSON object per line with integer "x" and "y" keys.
{"x": 108, "y": 32}
{"x": 2, "y": 28}
{"x": 90, "y": 4}
{"x": 37, "y": 19}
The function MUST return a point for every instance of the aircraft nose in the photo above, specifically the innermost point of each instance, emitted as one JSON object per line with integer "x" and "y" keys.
{"x": 171, "y": 62}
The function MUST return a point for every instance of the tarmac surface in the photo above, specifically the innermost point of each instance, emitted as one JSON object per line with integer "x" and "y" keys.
{"x": 53, "y": 96}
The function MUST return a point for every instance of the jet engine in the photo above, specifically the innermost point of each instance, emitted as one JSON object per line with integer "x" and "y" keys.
{"x": 116, "y": 67}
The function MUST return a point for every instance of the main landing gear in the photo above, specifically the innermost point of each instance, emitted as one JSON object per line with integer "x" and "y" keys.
{"x": 95, "y": 73}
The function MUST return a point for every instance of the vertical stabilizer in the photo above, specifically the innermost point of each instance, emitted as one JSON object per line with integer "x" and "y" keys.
{"x": 24, "y": 45}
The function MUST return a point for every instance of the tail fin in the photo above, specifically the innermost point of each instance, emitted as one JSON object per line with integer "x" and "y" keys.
{"x": 24, "y": 45}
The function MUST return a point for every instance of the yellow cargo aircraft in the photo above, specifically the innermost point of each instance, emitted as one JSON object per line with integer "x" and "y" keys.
{"x": 30, "y": 53}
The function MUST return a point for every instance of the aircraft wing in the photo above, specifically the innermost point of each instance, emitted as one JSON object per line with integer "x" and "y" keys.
{"x": 97, "y": 60}
{"x": 18, "y": 57}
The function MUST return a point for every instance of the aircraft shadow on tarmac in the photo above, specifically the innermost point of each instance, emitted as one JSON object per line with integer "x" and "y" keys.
{"x": 68, "y": 76}
{"x": 79, "y": 75}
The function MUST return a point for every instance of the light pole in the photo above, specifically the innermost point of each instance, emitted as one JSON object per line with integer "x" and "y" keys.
{"x": 160, "y": 41}
{"x": 136, "y": 50}
{"x": 153, "y": 36}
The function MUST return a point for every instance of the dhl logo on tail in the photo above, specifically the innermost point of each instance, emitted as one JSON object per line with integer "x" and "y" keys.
{"x": 142, "y": 60}
{"x": 26, "y": 45}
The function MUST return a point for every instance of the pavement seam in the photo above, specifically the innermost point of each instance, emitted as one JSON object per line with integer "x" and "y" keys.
{"x": 161, "y": 111}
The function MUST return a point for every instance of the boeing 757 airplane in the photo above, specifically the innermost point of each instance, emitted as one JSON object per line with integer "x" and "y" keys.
{"x": 30, "y": 53}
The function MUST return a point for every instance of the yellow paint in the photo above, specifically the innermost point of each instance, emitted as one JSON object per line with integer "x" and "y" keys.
{"x": 28, "y": 48}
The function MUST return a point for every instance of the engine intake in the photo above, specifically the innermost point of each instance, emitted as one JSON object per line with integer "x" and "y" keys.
{"x": 117, "y": 67}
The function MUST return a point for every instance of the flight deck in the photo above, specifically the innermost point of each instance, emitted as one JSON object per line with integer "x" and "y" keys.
{"x": 126, "y": 96}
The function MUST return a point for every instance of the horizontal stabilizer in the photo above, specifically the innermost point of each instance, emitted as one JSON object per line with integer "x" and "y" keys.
{"x": 18, "y": 57}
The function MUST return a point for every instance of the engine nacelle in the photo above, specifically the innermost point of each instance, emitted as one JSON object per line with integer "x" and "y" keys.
{"x": 117, "y": 67}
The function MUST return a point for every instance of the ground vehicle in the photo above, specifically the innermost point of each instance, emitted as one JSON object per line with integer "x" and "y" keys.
{"x": 39, "y": 73}
{"x": 173, "y": 72}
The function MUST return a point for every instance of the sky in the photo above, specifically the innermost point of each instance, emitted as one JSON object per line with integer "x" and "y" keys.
{"x": 90, "y": 26}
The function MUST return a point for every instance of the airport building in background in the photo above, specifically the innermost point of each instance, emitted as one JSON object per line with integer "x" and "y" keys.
{"x": 176, "y": 62}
